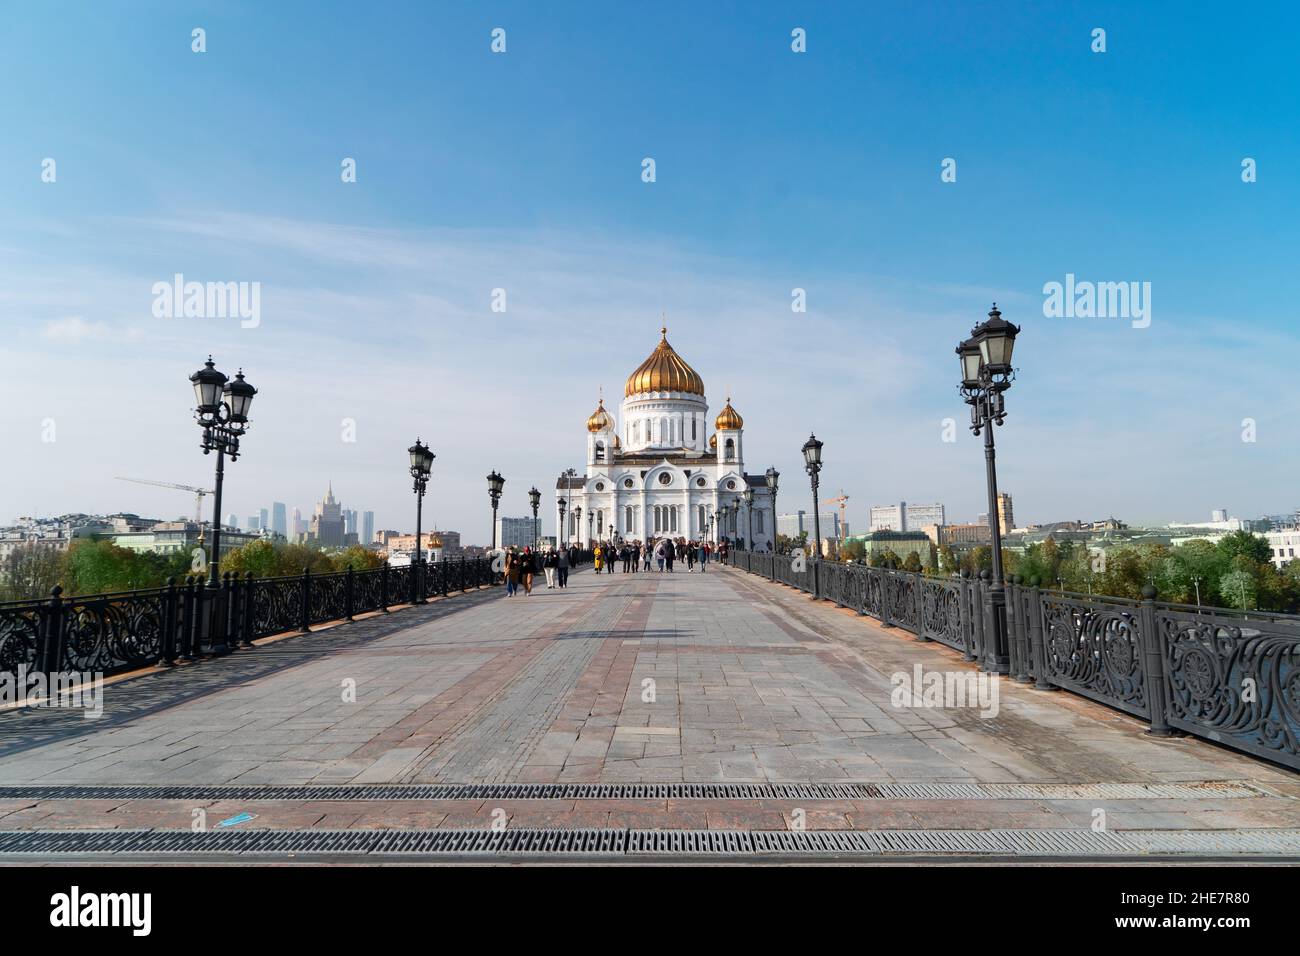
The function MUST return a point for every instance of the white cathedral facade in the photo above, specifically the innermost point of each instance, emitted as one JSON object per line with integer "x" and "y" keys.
{"x": 660, "y": 471}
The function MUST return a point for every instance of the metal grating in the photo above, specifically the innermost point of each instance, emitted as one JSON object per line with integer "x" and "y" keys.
{"x": 684, "y": 844}
{"x": 650, "y": 791}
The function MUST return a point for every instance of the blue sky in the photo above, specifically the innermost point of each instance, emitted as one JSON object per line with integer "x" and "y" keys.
{"x": 775, "y": 170}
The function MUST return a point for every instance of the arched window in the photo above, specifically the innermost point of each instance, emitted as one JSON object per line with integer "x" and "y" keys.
{"x": 694, "y": 422}
{"x": 600, "y": 451}
{"x": 731, "y": 449}
{"x": 627, "y": 519}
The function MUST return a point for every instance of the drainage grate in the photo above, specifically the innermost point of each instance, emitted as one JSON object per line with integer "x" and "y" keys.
{"x": 542, "y": 842}
{"x": 650, "y": 791}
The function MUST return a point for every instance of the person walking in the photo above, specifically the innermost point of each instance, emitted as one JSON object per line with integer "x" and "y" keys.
{"x": 512, "y": 573}
{"x": 562, "y": 568}
{"x": 526, "y": 570}
{"x": 690, "y": 557}
{"x": 611, "y": 555}
{"x": 627, "y": 558}
{"x": 549, "y": 563}
{"x": 659, "y": 555}
{"x": 596, "y": 554}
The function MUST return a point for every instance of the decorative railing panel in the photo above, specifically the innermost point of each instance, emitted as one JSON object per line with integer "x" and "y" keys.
{"x": 277, "y": 606}
{"x": 941, "y": 612}
{"x": 1094, "y": 648}
{"x": 1234, "y": 681}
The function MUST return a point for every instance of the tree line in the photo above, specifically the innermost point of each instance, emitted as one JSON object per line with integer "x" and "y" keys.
{"x": 102, "y": 567}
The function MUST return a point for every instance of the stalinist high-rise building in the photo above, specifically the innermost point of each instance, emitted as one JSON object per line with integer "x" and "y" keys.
{"x": 327, "y": 522}
{"x": 659, "y": 470}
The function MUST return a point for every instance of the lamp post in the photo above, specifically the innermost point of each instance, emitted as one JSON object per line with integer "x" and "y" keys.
{"x": 591, "y": 522}
{"x": 812, "y": 458}
{"x": 577, "y": 521}
{"x": 773, "y": 476}
{"x": 222, "y": 413}
{"x": 986, "y": 373}
{"x": 712, "y": 537}
{"x": 421, "y": 465}
{"x": 722, "y": 523}
{"x": 562, "y": 532}
{"x": 535, "y": 499}
{"x": 495, "y": 484}
{"x": 749, "y": 517}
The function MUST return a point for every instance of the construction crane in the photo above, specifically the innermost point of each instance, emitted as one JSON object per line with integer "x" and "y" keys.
{"x": 839, "y": 501}
{"x": 197, "y": 492}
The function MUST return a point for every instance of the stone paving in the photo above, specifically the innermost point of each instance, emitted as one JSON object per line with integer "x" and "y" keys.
{"x": 681, "y": 678}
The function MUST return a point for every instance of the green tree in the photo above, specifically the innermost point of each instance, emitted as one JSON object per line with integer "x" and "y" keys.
{"x": 912, "y": 562}
{"x": 1238, "y": 587}
{"x": 1243, "y": 543}
{"x": 29, "y": 572}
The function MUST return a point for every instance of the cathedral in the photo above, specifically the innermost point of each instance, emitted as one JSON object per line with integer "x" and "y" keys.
{"x": 659, "y": 470}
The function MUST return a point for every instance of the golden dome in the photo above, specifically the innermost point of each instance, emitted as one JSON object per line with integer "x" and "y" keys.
{"x": 664, "y": 371}
{"x": 599, "y": 419}
{"x": 713, "y": 441}
{"x": 728, "y": 418}
{"x": 617, "y": 443}
{"x": 435, "y": 541}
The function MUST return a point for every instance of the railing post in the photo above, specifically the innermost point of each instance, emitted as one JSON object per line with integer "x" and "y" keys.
{"x": 246, "y": 618}
{"x": 50, "y": 650}
{"x": 383, "y": 588}
{"x": 167, "y": 652}
{"x": 1036, "y": 637}
{"x": 885, "y": 619}
{"x": 234, "y": 602}
{"x": 1153, "y": 666}
{"x": 464, "y": 578}
{"x": 348, "y": 594}
{"x": 1016, "y": 624}
{"x": 964, "y": 615}
{"x": 190, "y": 626}
{"x": 446, "y": 578}
{"x": 305, "y": 626}
{"x": 979, "y": 616}
{"x": 918, "y": 584}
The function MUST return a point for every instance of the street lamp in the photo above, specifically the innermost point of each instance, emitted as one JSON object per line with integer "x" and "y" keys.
{"x": 535, "y": 498}
{"x": 421, "y": 465}
{"x": 577, "y": 521}
{"x": 562, "y": 533}
{"x": 986, "y": 373}
{"x": 591, "y": 523}
{"x": 722, "y": 524}
{"x": 773, "y": 476}
{"x": 749, "y": 516}
{"x": 495, "y": 484}
{"x": 812, "y": 457}
{"x": 222, "y": 413}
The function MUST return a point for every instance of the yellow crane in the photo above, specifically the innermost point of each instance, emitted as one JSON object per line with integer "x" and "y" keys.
{"x": 839, "y": 501}
{"x": 197, "y": 492}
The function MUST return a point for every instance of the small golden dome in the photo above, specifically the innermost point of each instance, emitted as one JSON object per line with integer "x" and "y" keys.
{"x": 713, "y": 441}
{"x": 728, "y": 418}
{"x": 435, "y": 542}
{"x": 664, "y": 371}
{"x": 599, "y": 420}
{"x": 618, "y": 443}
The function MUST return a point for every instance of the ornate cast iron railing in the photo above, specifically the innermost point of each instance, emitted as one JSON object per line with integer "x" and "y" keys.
{"x": 111, "y": 633}
{"x": 1226, "y": 676}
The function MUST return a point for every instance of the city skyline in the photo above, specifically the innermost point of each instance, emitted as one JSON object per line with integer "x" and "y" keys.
{"x": 376, "y": 322}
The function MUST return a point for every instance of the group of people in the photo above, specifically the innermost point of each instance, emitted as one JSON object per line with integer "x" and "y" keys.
{"x": 521, "y": 565}
{"x": 639, "y": 555}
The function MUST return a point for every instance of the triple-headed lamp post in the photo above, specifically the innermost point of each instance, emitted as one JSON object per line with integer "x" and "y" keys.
{"x": 495, "y": 484}
{"x": 986, "y": 373}
{"x": 421, "y": 465}
{"x": 535, "y": 499}
{"x": 773, "y": 476}
{"x": 222, "y": 413}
